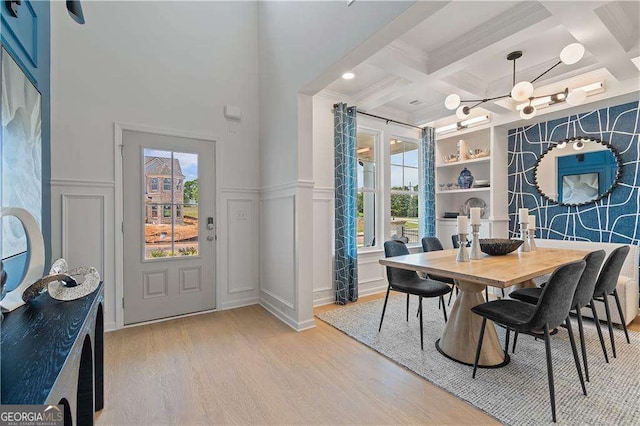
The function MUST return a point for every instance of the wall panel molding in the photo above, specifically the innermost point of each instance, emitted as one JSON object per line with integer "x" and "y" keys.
{"x": 83, "y": 183}
{"x": 277, "y": 234}
{"x": 83, "y": 243}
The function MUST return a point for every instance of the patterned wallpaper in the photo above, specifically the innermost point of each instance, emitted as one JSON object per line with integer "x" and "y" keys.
{"x": 615, "y": 218}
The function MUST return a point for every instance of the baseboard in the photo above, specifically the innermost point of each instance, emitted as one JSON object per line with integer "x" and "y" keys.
{"x": 305, "y": 325}
{"x": 373, "y": 290}
{"x": 110, "y": 326}
{"x": 239, "y": 303}
{"x": 323, "y": 301}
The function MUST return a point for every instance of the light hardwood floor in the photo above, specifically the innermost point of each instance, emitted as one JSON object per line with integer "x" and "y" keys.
{"x": 245, "y": 367}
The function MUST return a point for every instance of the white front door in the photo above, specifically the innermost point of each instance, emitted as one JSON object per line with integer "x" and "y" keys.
{"x": 169, "y": 226}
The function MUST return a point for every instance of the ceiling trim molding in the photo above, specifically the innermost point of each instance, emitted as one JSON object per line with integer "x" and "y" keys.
{"x": 504, "y": 25}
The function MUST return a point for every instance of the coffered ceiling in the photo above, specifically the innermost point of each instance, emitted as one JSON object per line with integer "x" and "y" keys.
{"x": 462, "y": 49}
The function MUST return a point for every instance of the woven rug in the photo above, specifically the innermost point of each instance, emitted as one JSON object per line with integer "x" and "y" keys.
{"x": 518, "y": 393}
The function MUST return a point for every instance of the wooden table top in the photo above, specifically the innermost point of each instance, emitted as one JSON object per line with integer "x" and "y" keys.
{"x": 496, "y": 271}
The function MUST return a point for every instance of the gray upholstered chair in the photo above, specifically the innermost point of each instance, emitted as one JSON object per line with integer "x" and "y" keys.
{"x": 583, "y": 297}
{"x": 434, "y": 244}
{"x": 405, "y": 281}
{"x": 551, "y": 311}
{"x": 606, "y": 286}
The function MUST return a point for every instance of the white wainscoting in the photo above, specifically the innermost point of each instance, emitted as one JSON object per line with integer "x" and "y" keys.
{"x": 277, "y": 252}
{"x": 238, "y": 248}
{"x": 82, "y": 230}
{"x": 323, "y": 236}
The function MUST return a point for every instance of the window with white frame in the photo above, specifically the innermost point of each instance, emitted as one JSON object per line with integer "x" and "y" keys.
{"x": 366, "y": 174}
{"x": 404, "y": 189}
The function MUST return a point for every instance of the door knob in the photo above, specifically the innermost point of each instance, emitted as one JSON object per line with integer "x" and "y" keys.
{"x": 210, "y": 238}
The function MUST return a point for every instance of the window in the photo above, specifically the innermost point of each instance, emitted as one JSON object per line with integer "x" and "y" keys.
{"x": 366, "y": 202}
{"x": 171, "y": 228}
{"x": 404, "y": 189}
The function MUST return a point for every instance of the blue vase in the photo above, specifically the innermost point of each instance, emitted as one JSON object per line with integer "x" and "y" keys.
{"x": 465, "y": 180}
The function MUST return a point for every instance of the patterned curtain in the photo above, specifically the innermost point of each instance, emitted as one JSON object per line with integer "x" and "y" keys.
{"x": 427, "y": 195}
{"x": 346, "y": 250}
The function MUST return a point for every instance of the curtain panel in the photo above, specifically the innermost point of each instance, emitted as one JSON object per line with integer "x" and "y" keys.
{"x": 346, "y": 248}
{"x": 427, "y": 196}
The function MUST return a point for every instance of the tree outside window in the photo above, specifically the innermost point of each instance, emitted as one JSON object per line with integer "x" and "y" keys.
{"x": 404, "y": 189}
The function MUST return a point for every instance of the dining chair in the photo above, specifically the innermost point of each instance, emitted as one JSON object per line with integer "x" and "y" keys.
{"x": 583, "y": 297}
{"x": 405, "y": 281}
{"x": 455, "y": 239}
{"x": 551, "y": 311}
{"x": 606, "y": 286}
{"x": 434, "y": 244}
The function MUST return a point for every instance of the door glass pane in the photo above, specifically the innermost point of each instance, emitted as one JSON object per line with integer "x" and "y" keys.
{"x": 185, "y": 186}
{"x": 171, "y": 204}
{"x": 186, "y": 230}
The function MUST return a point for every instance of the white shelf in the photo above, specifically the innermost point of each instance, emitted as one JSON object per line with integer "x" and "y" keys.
{"x": 461, "y": 163}
{"x": 462, "y": 191}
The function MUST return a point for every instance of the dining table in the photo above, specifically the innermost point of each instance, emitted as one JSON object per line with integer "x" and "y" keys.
{"x": 460, "y": 336}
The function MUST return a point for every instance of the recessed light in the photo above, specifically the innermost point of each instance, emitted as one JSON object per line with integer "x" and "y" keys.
{"x": 348, "y": 75}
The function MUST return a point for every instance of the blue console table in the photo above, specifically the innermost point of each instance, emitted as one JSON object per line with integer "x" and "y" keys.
{"x": 52, "y": 353}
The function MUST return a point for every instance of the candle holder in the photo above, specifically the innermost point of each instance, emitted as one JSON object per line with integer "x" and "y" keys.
{"x": 532, "y": 239}
{"x": 463, "y": 256}
{"x": 476, "y": 252}
{"x": 524, "y": 232}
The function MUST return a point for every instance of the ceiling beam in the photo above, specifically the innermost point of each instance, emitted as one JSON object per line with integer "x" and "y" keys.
{"x": 587, "y": 28}
{"x": 391, "y": 61}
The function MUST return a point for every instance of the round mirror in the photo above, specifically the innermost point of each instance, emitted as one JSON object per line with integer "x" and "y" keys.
{"x": 578, "y": 171}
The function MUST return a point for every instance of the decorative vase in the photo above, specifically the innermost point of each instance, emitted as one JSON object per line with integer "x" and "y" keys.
{"x": 465, "y": 180}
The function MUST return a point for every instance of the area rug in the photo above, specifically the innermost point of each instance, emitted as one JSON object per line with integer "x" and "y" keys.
{"x": 518, "y": 393}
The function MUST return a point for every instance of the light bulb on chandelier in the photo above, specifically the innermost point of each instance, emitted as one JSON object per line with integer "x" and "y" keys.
{"x": 523, "y": 91}
{"x": 529, "y": 111}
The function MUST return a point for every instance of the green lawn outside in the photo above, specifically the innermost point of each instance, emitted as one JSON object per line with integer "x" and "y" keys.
{"x": 190, "y": 211}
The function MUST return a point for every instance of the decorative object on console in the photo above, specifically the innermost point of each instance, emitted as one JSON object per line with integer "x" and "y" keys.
{"x": 578, "y": 176}
{"x": 465, "y": 180}
{"x": 451, "y": 158}
{"x": 524, "y": 90}
{"x": 64, "y": 284}
{"x": 499, "y": 246}
{"x": 35, "y": 242}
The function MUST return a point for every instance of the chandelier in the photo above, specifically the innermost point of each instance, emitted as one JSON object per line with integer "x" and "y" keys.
{"x": 523, "y": 91}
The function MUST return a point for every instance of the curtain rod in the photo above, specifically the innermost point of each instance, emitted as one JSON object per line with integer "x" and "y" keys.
{"x": 388, "y": 120}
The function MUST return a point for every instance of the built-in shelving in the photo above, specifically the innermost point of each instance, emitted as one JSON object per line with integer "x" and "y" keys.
{"x": 465, "y": 162}
{"x": 492, "y": 169}
{"x": 462, "y": 191}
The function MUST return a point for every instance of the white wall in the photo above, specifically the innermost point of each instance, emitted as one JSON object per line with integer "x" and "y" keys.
{"x": 170, "y": 65}
{"x": 304, "y": 46}
{"x": 371, "y": 275}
